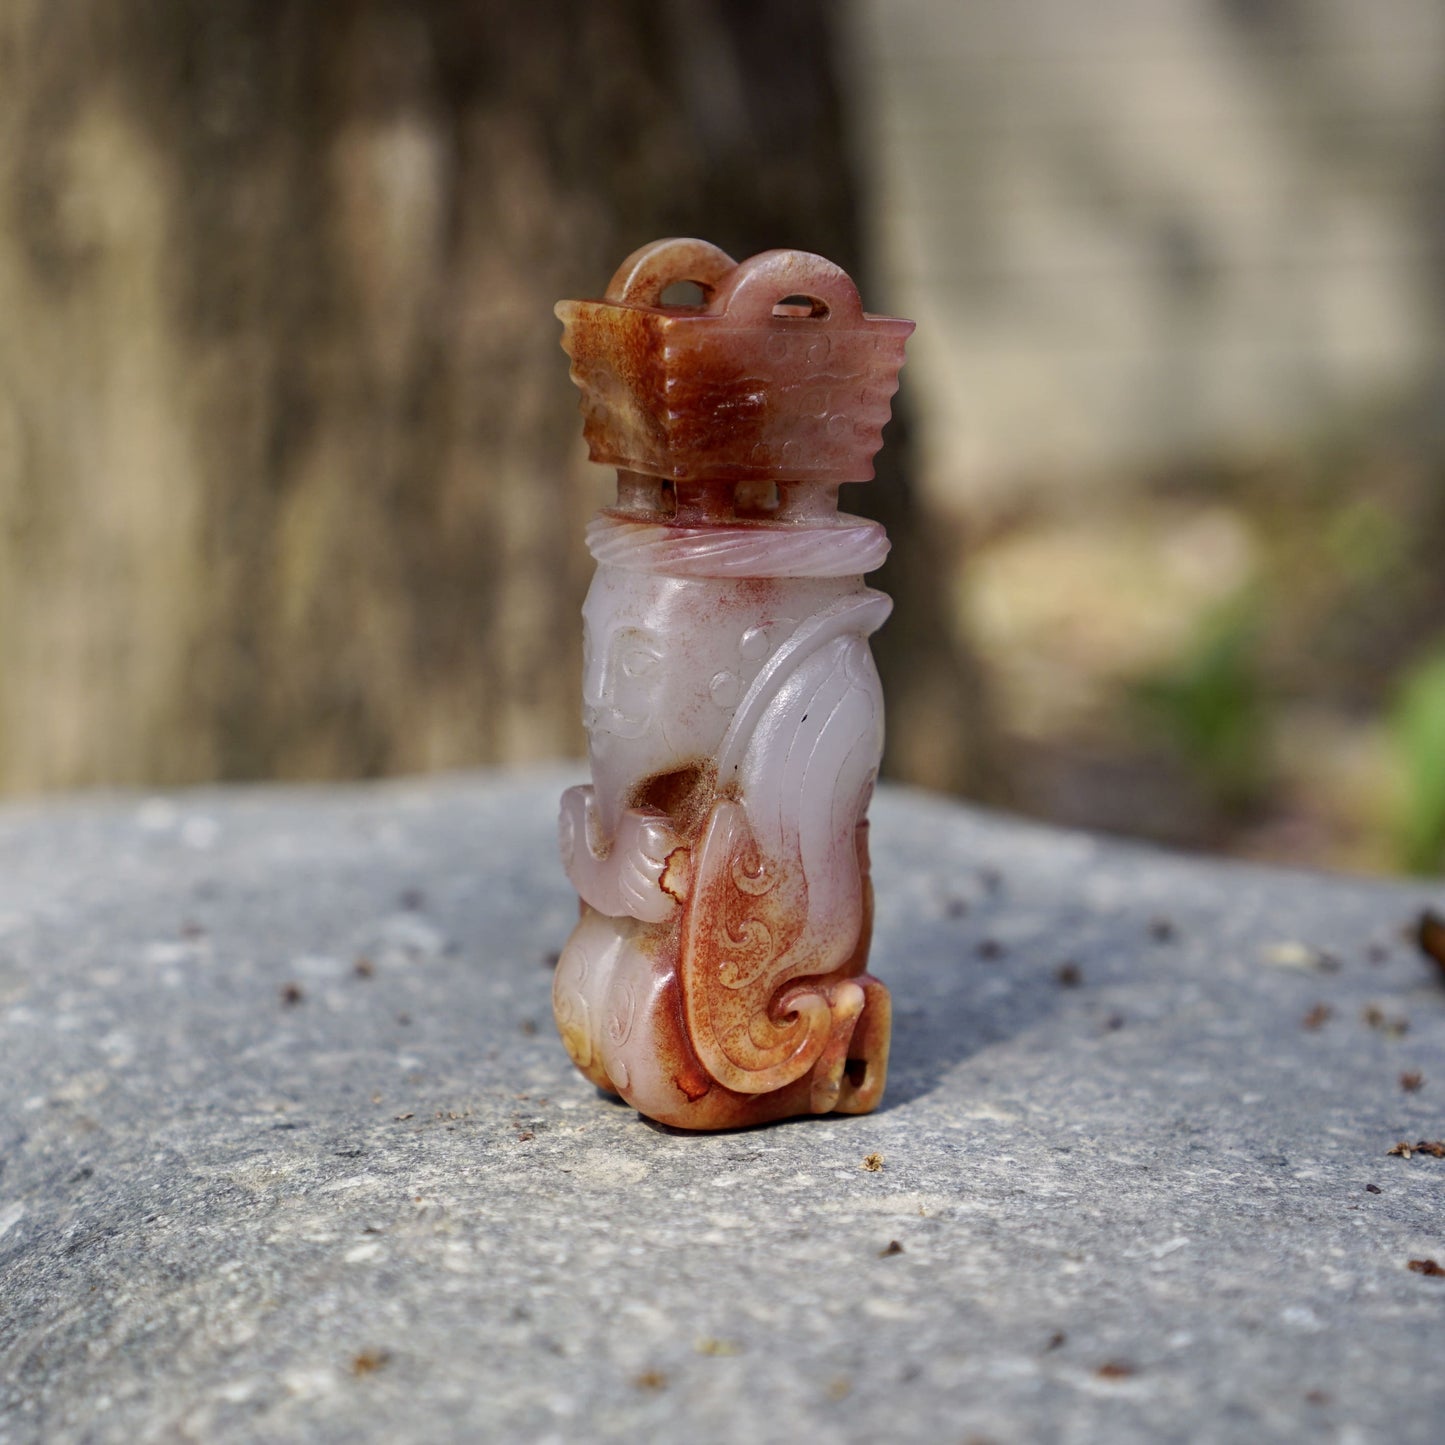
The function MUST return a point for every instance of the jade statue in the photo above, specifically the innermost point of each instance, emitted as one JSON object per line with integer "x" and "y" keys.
{"x": 717, "y": 974}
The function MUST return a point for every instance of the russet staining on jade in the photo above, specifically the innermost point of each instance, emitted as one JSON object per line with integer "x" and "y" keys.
{"x": 717, "y": 973}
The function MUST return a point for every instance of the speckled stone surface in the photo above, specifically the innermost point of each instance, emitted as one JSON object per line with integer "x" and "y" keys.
{"x": 288, "y": 1150}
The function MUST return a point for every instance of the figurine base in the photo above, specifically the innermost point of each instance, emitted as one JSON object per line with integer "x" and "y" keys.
{"x": 619, "y": 1010}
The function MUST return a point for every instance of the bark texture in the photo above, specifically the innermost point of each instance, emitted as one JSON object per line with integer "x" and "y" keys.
{"x": 291, "y": 482}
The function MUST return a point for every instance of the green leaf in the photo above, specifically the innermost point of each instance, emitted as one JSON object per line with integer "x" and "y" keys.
{"x": 1417, "y": 729}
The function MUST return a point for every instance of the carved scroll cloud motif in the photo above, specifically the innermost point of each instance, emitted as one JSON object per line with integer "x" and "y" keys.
{"x": 717, "y": 973}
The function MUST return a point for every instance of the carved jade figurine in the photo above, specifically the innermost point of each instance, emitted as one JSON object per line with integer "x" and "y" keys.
{"x": 733, "y": 713}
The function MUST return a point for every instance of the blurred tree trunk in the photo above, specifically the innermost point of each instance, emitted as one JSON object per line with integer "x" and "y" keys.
{"x": 290, "y": 473}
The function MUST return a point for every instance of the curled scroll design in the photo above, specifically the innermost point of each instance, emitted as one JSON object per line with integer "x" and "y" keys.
{"x": 753, "y": 916}
{"x": 760, "y": 965}
{"x": 744, "y": 916}
{"x": 747, "y": 944}
{"x": 751, "y": 875}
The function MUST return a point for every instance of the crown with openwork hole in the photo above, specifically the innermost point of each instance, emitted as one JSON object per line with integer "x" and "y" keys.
{"x": 778, "y": 376}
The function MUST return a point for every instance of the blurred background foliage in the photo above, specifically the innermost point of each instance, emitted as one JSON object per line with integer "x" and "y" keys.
{"x": 291, "y": 483}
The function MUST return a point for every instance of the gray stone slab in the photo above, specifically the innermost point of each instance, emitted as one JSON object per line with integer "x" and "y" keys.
{"x": 1131, "y": 1208}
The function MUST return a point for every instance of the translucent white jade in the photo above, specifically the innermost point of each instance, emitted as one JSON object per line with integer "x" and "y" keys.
{"x": 733, "y": 712}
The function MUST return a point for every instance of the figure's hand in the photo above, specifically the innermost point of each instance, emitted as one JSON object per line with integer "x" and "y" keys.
{"x": 643, "y": 875}
{"x": 576, "y": 829}
{"x": 645, "y": 841}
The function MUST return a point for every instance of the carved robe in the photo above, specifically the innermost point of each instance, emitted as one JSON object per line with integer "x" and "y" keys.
{"x": 746, "y": 1000}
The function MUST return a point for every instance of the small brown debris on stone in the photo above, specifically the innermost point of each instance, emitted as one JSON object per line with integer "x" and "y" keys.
{"x": 524, "y": 1134}
{"x": 1376, "y": 1018}
{"x": 1114, "y": 1370}
{"x": 1433, "y": 1147}
{"x": 529, "y": 1027}
{"x": 363, "y": 967}
{"x": 401, "y": 1118}
{"x": 368, "y": 1362}
{"x": 891, "y": 1248}
{"x": 403, "y": 1019}
{"x": 991, "y": 948}
{"x": 1068, "y": 975}
{"x": 840, "y": 1388}
{"x": 292, "y": 994}
{"x": 1318, "y": 1397}
{"x": 1162, "y": 930}
{"x": 1412, "y": 1081}
{"x": 1317, "y": 1017}
{"x": 191, "y": 930}
{"x": 1427, "y": 1266}
{"x": 872, "y": 1163}
{"x": 651, "y": 1380}
{"x": 1057, "y": 1340}
{"x": 1372, "y": 1189}
{"x": 1429, "y": 936}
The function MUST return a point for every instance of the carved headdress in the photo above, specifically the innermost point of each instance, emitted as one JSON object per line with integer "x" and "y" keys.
{"x": 733, "y": 422}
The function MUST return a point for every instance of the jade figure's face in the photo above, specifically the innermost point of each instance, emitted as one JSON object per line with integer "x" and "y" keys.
{"x": 649, "y": 657}
{"x": 666, "y": 660}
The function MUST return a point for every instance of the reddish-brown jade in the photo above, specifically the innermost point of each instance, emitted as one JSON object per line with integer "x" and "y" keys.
{"x": 716, "y": 977}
